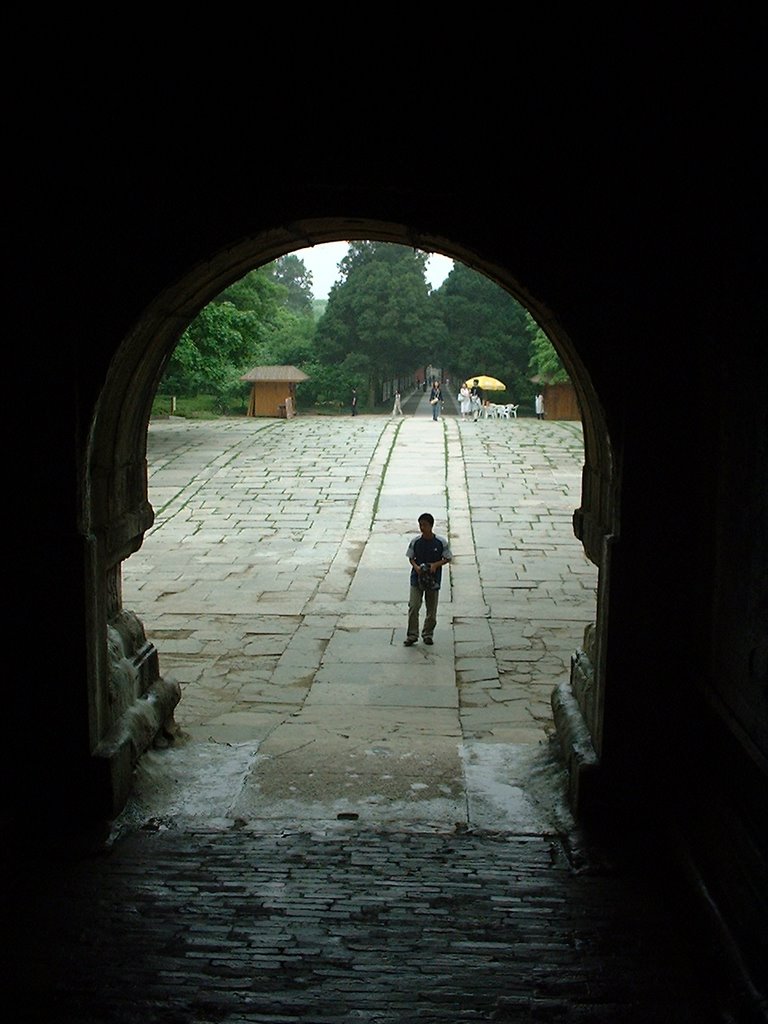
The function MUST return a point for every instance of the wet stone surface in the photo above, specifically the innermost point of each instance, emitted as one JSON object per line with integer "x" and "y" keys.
{"x": 351, "y": 925}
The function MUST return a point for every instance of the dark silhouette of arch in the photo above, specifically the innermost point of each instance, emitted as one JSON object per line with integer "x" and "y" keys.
{"x": 633, "y": 241}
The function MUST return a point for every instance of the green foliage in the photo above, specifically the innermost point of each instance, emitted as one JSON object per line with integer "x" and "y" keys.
{"x": 290, "y": 341}
{"x": 210, "y": 352}
{"x": 488, "y": 331}
{"x": 291, "y": 275}
{"x": 379, "y": 321}
{"x": 257, "y": 295}
{"x": 248, "y": 324}
{"x": 198, "y": 407}
{"x": 545, "y": 362}
{"x": 328, "y": 388}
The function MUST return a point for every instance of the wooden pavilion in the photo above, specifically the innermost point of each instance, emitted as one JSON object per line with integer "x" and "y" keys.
{"x": 273, "y": 391}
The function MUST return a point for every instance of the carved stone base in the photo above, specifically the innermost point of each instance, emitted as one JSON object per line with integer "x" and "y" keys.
{"x": 141, "y": 710}
{"x": 575, "y": 744}
{"x": 573, "y": 710}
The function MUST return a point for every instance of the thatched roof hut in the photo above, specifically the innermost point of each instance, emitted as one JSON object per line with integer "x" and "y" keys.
{"x": 273, "y": 391}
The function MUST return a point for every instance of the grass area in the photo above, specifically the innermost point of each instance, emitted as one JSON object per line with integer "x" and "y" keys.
{"x": 200, "y": 407}
{"x": 210, "y": 407}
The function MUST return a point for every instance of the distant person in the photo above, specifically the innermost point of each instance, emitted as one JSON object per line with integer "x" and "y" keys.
{"x": 436, "y": 400}
{"x": 476, "y": 398}
{"x": 465, "y": 401}
{"x": 396, "y": 409}
{"x": 539, "y": 406}
{"x": 354, "y": 401}
{"x": 427, "y": 554}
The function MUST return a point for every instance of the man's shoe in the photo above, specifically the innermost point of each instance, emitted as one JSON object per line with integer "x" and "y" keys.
{"x": 428, "y": 640}
{"x": 409, "y": 641}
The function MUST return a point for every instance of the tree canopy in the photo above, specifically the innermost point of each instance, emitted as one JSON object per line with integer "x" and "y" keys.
{"x": 545, "y": 363}
{"x": 487, "y": 330}
{"x": 290, "y": 274}
{"x": 379, "y": 321}
{"x": 265, "y": 317}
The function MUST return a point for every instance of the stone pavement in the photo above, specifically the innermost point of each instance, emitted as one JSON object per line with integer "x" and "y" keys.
{"x": 274, "y": 585}
{"x": 350, "y": 830}
{"x": 205, "y": 927}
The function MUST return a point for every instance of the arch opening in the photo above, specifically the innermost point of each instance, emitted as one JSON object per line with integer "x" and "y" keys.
{"x": 117, "y": 513}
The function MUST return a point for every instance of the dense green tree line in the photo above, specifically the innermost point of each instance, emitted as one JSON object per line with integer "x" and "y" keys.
{"x": 487, "y": 331}
{"x": 381, "y": 323}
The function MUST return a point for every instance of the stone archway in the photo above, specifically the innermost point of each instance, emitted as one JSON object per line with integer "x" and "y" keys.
{"x": 129, "y": 702}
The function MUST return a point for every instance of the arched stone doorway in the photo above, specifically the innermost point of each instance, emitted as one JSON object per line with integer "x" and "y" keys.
{"x": 129, "y": 701}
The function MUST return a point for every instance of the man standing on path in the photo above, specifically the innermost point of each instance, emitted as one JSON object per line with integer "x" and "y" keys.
{"x": 354, "y": 401}
{"x": 396, "y": 408}
{"x": 427, "y": 554}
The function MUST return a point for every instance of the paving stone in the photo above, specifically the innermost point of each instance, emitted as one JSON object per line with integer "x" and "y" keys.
{"x": 248, "y": 927}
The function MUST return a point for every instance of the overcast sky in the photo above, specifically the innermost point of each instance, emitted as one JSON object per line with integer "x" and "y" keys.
{"x": 323, "y": 261}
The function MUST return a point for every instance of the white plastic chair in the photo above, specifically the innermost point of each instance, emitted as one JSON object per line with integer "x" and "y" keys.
{"x": 512, "y": 411}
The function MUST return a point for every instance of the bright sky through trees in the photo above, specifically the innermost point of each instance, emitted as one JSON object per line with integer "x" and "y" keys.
{"x": 323, "y": 260}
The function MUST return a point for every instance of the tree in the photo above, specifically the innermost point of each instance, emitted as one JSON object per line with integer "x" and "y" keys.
{"x": 487, "y": 330}
{"x": 290, "y": 273}
{"x": 256, "y": 293}
{"x": 211, "y": 353}
{"x": 545, "y": 363}
{"x": 379, "y": 322}
{"x": 290, "y": 340}
{"x": 242, "y": 327}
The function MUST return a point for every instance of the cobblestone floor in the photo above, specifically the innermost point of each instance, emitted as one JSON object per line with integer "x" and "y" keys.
{"x": 353, "y": 926}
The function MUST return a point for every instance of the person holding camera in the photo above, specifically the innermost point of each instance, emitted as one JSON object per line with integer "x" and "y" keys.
{"x": 427, "y": 554}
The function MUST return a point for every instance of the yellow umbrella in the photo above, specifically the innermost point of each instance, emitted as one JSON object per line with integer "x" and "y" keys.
{"x": 486, "y": 383}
